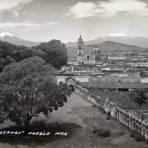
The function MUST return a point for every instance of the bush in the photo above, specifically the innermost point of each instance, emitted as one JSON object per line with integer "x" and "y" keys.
{"x": 146, "y": 141}
{"x": 108, "y": 116}
{"x": 132, "y": 133}
{"x": 94, "y": 106}
{"x": 2, "y": 118}
{"x": 139, "y": 138}
{"x": 136, "y": 135}
{"x": 95, "y": 130}
{"x": 102, "y": 132}
{"x": 39, "y": 124}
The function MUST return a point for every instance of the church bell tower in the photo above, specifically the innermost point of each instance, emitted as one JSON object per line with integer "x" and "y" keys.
{"x": 80, "y": 51}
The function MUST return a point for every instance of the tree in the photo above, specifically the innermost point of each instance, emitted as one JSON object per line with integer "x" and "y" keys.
{"x": 138, "y": 96}
{"x": 10, "y": 53}
{"x": 28, "y": 88}
{"x": 53, "y": 52}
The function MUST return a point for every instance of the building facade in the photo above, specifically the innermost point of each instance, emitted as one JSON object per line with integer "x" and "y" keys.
{"x": 87, "y": 54}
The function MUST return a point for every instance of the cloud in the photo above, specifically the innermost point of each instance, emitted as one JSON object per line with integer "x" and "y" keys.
{"x": 16, "y": 14}
{"x": 108, "y": 8}
{"x": 10, "y": 4}
{"x": 83, "y": 9}
{"x": 132, "y": 6}
{"x": 25, "y": 26}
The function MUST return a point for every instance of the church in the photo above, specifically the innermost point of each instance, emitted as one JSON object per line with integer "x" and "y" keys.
{"x": 87, "y": 54}
{"x": 88, "y": 58}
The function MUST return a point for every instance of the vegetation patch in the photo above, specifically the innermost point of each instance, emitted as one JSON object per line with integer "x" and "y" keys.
{"x": 136, "y": 135}
{"x": 102, "y": 132}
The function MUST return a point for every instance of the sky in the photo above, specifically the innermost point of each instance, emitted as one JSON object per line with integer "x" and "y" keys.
{"x": 43, "y": 20}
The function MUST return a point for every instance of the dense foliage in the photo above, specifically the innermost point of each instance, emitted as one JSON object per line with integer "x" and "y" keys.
{"x": 53, "y": 52}
{"x": 28, "y": 88}
{"x": 139, "y": 97}
{"x": 10, "y": 53}
{"x": 102, "y": 132}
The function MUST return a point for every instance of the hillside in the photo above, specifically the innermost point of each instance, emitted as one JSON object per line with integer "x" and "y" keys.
{"x": 108, "y": 47}
{"x": 5, "y": 36}
{"x": 135, "y": 41}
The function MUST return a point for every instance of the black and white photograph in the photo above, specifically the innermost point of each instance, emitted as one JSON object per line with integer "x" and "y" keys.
{"x": 73, "y": 73}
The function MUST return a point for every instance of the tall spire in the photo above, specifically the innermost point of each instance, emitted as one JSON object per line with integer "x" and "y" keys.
{"x": 80, "y": 50}
{"x": 80, "y": 41}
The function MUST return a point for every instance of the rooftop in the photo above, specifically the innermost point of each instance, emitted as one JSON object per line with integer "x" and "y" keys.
{"x": 115, "y": 85}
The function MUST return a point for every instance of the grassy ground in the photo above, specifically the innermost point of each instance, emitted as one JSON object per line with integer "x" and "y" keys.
{"x": 79, "y": 112}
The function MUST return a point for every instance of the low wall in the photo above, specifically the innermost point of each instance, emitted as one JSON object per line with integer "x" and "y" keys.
{"x": 124, "y": 117}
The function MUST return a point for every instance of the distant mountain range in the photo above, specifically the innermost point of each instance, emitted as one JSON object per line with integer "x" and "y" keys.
{"x": 136, "y": 41}
{"x": 5, "y": 36}
{"x": 110, "y": 46}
